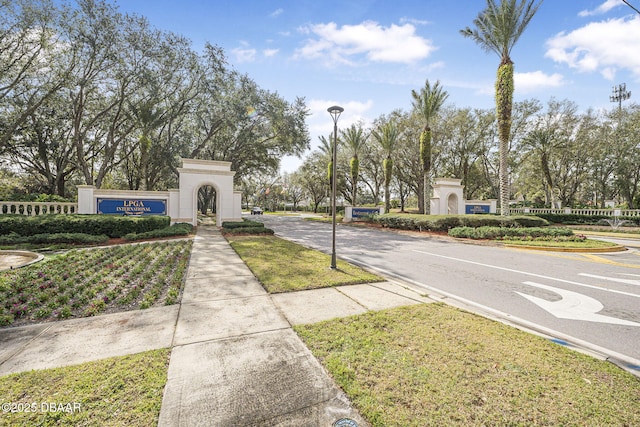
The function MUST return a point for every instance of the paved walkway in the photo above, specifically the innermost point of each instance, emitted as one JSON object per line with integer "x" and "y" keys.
{"x": 235, "y": 360}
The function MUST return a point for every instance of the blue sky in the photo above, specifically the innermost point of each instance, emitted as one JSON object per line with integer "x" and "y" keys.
{"x": 367, "y": 55}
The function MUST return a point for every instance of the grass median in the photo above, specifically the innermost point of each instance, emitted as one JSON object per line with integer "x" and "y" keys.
{"x": 434, "y": 365}
{"x": 584, "y": 245}
{"x": 284, "y": 266}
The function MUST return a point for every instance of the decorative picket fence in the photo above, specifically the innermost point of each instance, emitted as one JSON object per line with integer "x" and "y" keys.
{"x": 42, "y": 208}
{"x": 37, "y": 208}
{"x": 600, "y": 212}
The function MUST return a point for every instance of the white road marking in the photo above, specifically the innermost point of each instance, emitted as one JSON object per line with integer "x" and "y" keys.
{"x": 573, "y": 306}
{"x": 612, "y": 279}
{"x": 540, "y": 276}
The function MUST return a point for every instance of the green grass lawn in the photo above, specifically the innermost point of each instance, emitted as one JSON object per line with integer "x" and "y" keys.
{"x": 327, "y": 218}
{"x": 585, "y": 244}
{"x": 422, "y": 365}
{"x": 119, "y": 391}
{"x": 284, "y": 266}
{"x": 434, "y": 365}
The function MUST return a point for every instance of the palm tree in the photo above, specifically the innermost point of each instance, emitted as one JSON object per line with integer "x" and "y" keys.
{"x": 427, "y": 102}
{"x": 498, "y": 28}
{"x": 387, "y": 137}
{"x": 354, "y": 139}
{"x": 326, "y": 148}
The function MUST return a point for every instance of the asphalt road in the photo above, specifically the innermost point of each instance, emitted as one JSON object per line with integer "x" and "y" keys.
{"x": 588, "y": 300}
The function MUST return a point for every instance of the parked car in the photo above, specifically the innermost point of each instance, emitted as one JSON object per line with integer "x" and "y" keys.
{"x": 256, "y": 210}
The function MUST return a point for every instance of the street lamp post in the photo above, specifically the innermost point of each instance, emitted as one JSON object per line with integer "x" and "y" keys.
{"x": 335, "y": 112}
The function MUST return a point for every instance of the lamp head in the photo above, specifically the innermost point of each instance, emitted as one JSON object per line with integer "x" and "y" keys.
{"x": 335, "y": 112}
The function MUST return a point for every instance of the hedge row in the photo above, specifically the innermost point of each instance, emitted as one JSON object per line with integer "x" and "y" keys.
{"x": 249, "y": 230}
{"x": 46, "y": 238}
{"x": 508, "y": 232}
{"x": 574, "y": 219}
{"x": 110, "y": 225}
{"x": 227, "y": 225}
{"x": 245, "y": 227}
{"x": 448, "y": 222}
{"x": 179, "y": 229}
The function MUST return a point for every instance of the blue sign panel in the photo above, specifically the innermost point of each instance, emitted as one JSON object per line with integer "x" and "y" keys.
{"x": 362, "y": 212}
{"x": 477, "y": 209}
{"x": 132, "y": 207}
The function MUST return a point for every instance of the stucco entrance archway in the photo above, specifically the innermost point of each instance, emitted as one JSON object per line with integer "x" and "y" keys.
{"x": 197, "y": 173}
{"x": 452, "y": 204}
{"x": 181, "y": 204}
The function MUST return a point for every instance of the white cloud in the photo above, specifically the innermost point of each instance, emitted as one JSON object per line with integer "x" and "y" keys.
{"x": 603, "y": 8}
{"x": 270, "y": 52}
{"x": 320, "y": 122}
{"x": 276, "y": 13}
{"x": 532, "y": 81}
{"x": 346, "y": 44}
{"x": 414, "y": 21}
{"x": 244, "y": 54}
{"x": 602, "y": 47}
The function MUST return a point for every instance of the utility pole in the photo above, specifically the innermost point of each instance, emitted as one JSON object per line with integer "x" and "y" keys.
{"x": 630, "y": 5}
{"x": 620, "y": 94}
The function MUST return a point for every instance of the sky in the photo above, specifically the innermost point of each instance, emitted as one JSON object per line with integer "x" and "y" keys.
{"x": 367, "y": 55}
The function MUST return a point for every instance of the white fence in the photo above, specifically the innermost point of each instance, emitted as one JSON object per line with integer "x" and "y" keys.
{"x": 37, "y": 208}
{"x": 42, "y": 208}
{"x": 600, "y": 212}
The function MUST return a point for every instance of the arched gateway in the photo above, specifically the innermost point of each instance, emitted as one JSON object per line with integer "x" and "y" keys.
{"x": 180, "y": 204}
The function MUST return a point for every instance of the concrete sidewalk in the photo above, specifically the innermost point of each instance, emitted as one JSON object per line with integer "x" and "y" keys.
{"x": 235, "y": 359}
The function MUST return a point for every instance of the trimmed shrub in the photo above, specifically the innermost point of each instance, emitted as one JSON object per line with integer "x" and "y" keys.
{"x": 447, "y": 222}
{"x": 111, "y": 225}
{"x": 179, "y": 229}
{"x": 237, "y": 224}
{"x": 575, "y": 219}
{"x": 46, "y": 238}
{"x": 249, "y": 230}
{"x": 443, "y": 222}
{"x": 509, "y": 232}
{"x": 530, "y": 221}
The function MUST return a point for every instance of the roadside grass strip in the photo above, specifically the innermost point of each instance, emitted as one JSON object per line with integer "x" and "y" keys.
{"x": 119, "y": 391}
{"x": 434, "y": 365}
{"x": 284, "y": 266}
{"x": 584, "y": 244}
{"x": 87, "y": 282}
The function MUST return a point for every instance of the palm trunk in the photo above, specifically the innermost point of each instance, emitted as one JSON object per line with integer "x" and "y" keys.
{"x": 427, "y": 192}
{"x": 387, "y": 164}
{"x": 425, "y": 158}
{"x": 504, "y": 103}
{"x": 355, "y": 166}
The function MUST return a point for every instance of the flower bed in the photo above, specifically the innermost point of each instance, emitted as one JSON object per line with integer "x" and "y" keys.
{"x": 86, "y": 282}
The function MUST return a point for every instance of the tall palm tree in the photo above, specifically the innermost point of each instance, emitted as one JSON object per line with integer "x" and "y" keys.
{"x": 497, "y": 29}
{"x": 354, "y": 138}
{"x": 387, "y": 137}
{"x": 326, "y": 148}
{"x": 428, "y": 103}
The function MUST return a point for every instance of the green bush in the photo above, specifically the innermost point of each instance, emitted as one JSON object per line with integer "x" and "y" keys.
{"x": 46, "y": 238}
{"x": 249, "y": 230}
{"x": 575, "y": 219}
{"x": 402, "y": 222}
{"x": 178, "y": 229}
{"x": 509, "y": 232}
{"x": 238, "y": 224}
{"x": 111, "y": 225}
{"x": 530, "y": 221}
{"x": 444, "y": 223}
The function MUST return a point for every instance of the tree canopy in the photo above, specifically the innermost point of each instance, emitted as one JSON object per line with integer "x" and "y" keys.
{"x": 89, "y": 95}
